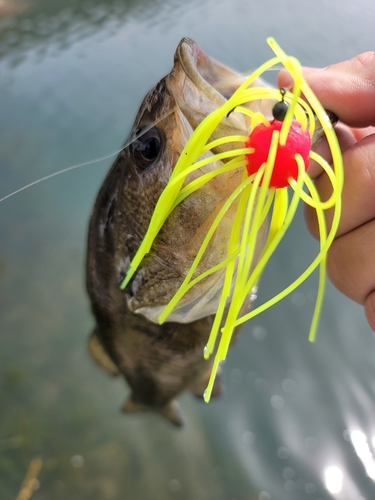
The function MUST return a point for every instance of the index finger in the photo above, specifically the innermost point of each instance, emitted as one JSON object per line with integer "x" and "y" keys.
{"x": 347, "y": 88}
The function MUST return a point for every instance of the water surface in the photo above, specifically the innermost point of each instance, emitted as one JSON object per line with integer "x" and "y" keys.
{"x": 72, "y": 75}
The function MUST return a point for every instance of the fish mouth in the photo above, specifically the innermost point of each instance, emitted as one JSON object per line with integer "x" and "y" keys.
{"x": 211, "y": 78}
{"x": 200, "y": 84}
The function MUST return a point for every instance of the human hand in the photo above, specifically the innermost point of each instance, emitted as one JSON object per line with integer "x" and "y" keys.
{"x": 348, "y": 90}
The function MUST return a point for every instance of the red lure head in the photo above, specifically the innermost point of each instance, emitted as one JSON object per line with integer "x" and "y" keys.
{"x": 298, "y": 142}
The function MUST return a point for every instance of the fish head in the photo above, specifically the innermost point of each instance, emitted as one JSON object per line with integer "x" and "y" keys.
{"x": 196, "y": 86}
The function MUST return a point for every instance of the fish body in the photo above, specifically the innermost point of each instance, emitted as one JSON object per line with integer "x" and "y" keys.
{"x": 160, "y": 361}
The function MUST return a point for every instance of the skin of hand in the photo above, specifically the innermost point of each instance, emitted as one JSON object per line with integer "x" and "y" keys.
{"x": 348, "y": 90}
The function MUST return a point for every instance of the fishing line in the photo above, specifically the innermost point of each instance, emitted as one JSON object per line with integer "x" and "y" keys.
{"x": 55, "y": 174}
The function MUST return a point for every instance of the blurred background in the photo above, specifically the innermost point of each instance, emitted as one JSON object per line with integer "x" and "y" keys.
{"x": 297, "y": 420}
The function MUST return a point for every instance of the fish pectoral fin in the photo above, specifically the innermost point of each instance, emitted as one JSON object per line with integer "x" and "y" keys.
{"x": 131, "y": 407}
{"x": 99, "y": 355}
{"x": 200, "y": 385}
{"x": 170, "y": 411}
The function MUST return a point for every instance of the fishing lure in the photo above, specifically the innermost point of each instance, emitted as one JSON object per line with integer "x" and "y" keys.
{"x": 274, "y": 157}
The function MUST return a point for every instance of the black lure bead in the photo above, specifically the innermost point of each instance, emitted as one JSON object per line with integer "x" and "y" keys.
{"x": 279, "y": 110}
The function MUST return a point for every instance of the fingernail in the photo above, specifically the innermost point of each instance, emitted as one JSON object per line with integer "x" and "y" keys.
{"x": 285, "y": 79}
{"x": 308, "y": 69}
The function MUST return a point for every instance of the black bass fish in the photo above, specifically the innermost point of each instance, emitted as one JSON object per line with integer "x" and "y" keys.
{"x": 161, "y": 361}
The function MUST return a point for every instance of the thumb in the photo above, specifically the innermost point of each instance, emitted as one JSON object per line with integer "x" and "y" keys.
{"x": 346, "y": 88}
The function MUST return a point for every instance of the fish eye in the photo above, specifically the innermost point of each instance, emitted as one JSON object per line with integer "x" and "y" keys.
{"x": 146, "y": 148}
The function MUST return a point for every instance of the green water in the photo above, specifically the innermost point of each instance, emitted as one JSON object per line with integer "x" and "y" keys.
{"x": 72, "y": 75}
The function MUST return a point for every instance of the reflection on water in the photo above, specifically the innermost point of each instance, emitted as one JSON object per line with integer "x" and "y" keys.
{"x": 333, "y": 477}
{"x": 297, "y": 420}
{"x": 42, "y": 23}
{"x": 362, "y": 448}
